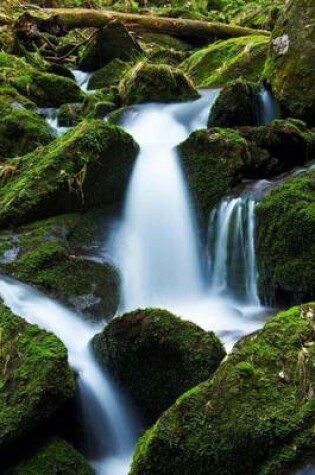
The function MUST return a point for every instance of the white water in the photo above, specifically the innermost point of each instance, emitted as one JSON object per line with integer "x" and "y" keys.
{"x": 268, "y": 107}
{"x": 82, "y": 79}
{"x": 108, "y": 425}
{"x": 51, "y": 116}
{"x": 232, "y": 250}
{"x": 161, "y": 259}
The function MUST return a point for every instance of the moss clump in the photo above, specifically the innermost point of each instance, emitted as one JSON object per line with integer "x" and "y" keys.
{"x": 21, "y": 130}
{"x": 47, "y": 254}
{"x": 93, "y": 102}
{"x": 257, "y": 421}
{"x": 111, "y": 42}
{"x": 236, "y": 105}
{"x": 53, "y": 457}
{"x": 214, "y": 161}
{"x": 228, "y": 60}
{"x": 109, "y": 75}
{"x": 155, "y": 83}
{"x": 155, "y": 356}
{"x": 69, "y": 115}
{"x": 285, "y": 241}
{"x": 88, "y": 167}
{"x": 35, "y": 379}
{"x": 290, "y": 67}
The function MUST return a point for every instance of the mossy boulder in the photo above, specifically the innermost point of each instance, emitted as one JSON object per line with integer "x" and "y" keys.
{"x": 86, "y": 168}
{"x": 290, "y": 67}
{"x": 53, "y": 457}
{"x": 147, "y": 82}
{"x": 47, "y": 254}
{"x": 214, "y": 161}
{"x": 69, "y": 115}
{"x": 35, "y": 379}
{"x": 155, "y": 356}
{"x": 285, "y": 242}
{"x": 236, "y": 105}
{"x": 278, "y": 147}
{"x": 112, "y": 41}
{"x": 94, "y": 103}
{"x": 255, "y": 416}
{"x": 228, "y": 60}
{"x": 109, "y": 75}
{"x": 21, "y": 128}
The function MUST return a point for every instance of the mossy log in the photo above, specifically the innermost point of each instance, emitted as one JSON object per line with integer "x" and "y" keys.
{"x": 197, "y": 31}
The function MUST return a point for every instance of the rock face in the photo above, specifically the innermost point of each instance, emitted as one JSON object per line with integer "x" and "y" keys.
{"x": 155, "y": 83}
{"x": 49, "y": 253}
{"x": 236, "y": 105}
{"x": 214, "y": 161}
{"x": 228, "y": 60}
{"x": 54, "y": 457}
{"x": 88, "y": 167}
{"x": 256, "y": 416}
{"x": 35, "y": 379}
{"x": 155, "y": 356}
{"x": 285, "y": 242}
{"x": 290, "y": 67}
{"x": 111, "y": 42}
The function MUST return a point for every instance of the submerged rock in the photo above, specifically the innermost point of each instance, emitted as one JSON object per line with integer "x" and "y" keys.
{"x": 285, "y": 242}
{"x": 256, "y": 416}
{"x": 48, "y": 254}
{"x": 228, "y": 60}
{"x": 236, "y": 105}
{"x": 155, "y": 356}
{"x": 53, "y": 457}
{"x": 155, "y": 83}
{"x": 86, "y": 168}
{"x": 290, "y": 67}
{"x": 111, "y": 42}
{"x": 35, "y": 380}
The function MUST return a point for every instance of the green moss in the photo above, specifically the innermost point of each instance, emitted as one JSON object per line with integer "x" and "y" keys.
{"x": 88, "y": 167}
{"x": 50, "y": 252}
{"x": 53, "y": 457}
{"x": 109, "y": 75}
{"x": 290, "y": 69}
{"x": 69, "y": 115}
{"x": 285, "y": 241}
{"x": 260, "y": 423}
{"x": 35, "y": 379}
{"x": 155, "y": 83}
{"x": 228, "y": 60}
{"x": 214, "y": 162}
{"x": 155, "y": 356}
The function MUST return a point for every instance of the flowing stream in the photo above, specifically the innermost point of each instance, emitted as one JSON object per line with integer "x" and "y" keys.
{"x": 163, "y": 262}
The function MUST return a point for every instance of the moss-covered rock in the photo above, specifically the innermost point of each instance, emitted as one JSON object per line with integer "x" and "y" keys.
{"x": 54, "y": 457}
{"x": 278, "y": 147}
{"x": 21, "y": 128}
{"x": 35, "y": 378}
{"x": 256, "y": 416}
{"x": 228, "y": 60}
{"x": 69, "y": 115}
{"x": 214, "y": 161}
{"x": 236, "y": 105}
{"x": 95, "y": 102}
{"x": 155, "y": 83}
{"x": 285, "y": 242}
{"x": 112, "y": 41}
{"x": 290, "y": 67}
{"x": 86, "y": 168}
{"x": 155, "y": 356}
{"x": 47, "y": 254}
{"x": 109, "y": 75}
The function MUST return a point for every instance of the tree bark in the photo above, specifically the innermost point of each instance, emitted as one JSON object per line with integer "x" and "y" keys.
{"x": 192, "y": 30}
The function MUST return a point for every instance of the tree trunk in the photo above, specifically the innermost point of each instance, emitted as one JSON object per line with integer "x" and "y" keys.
{"x": 202, "y": 32}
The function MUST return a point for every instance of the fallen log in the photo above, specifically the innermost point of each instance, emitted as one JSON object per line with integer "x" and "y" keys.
{"x": 202, "y": 32}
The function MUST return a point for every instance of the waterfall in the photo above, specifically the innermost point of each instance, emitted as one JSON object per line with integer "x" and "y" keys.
{"x": 268, "y": 107}
{"x": 108, "y": 423}
{"x": 157, "y": 246}
{"x": 231, "y": 250}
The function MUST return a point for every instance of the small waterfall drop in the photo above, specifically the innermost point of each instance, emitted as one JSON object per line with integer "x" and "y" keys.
{"x": 268, "y": 107}
{"x": 157, "y": 246}
{"x": 232, "y": 250}
{"x": 108, "y": 425}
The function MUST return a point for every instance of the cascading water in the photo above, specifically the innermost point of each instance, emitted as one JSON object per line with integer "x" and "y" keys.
{"x": 108, "y": 423}
{"x": 232, "y": 251}
{"x": 268, "y": 107}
